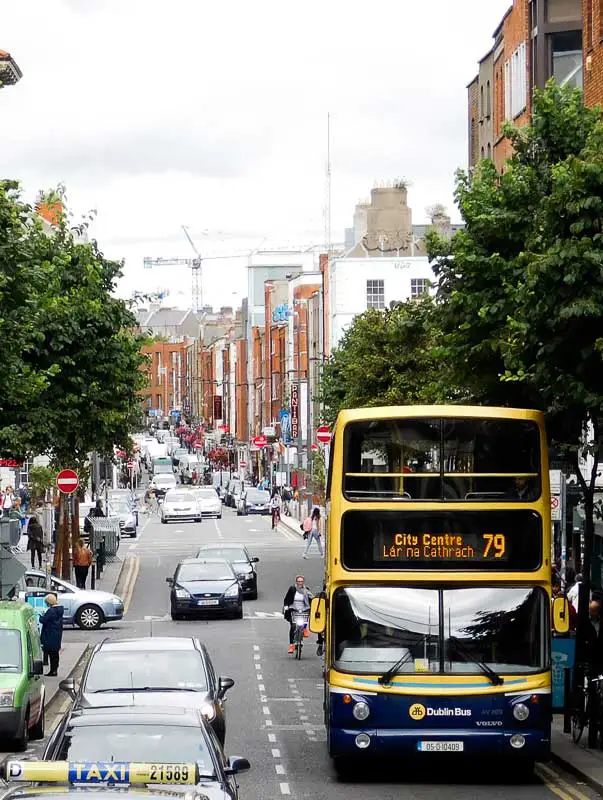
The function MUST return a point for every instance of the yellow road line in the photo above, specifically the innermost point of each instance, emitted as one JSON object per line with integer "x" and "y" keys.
{"x": 131, "y": 582}
{"x": 555, "y": 783}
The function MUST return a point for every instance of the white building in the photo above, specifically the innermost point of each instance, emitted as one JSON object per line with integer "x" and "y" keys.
{"x": 357, "y": 284}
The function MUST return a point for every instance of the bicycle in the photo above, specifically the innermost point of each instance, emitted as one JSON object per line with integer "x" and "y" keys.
{"x": 300, "y": 619}
{"x": 583, "y": 708}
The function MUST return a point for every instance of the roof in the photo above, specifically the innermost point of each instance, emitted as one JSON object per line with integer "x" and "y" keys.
{"x": 150, "y": 643}
{"x": 13, "y": 610}
{"x": 134, "y": 715}
{"x": 203, "y": 561}
{"x": 222, "y": 546}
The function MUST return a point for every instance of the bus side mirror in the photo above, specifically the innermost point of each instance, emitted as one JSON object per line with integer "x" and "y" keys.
{"x": 318, "y": 608}
{"x": 560, "y": 615}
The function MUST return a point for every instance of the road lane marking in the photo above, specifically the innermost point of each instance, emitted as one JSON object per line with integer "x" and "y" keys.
{"x": 256, "y": 647}
{"x": 276, "y": 753}
{"x": 559, "y": 783}
{"x": 284, "y": 787}
{"x": 272, "y": 738}
{"x": 268, "y": 723}
{"x": 260, "y": 677}
{"x": 266, "y": 711}
{"x": 280, "y": 770}
{"x": 261, "y": 687}
{"x": 256, "y": 656}
{"x": 218, "y": 531}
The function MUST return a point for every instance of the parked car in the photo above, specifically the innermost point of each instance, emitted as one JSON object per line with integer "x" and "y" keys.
{"x": 180, "y": 505}
{"x": 163, "y": 483}
{"x": 202, "y": 586}
{"x": 162, "y": 464}
{"x": 242, "y": 563}
{"x": 86, "y": 608}
{"x": 127, "y": 515}
{"x": 253, "y": 501}
{"x": 209, "y": 502}
{"x": 22, "y": 692}
{"x": 161, "y": 672}
{"x": 120, "y": 495}
{"x": 151, "y": 736}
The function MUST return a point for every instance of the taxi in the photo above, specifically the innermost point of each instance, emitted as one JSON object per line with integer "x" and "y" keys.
{"x": 67, "y": 780}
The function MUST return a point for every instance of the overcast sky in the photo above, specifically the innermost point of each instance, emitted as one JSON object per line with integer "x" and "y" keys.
{"x": 213, "y": 115}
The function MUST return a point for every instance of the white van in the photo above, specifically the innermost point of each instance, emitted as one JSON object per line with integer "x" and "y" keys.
{"x": 187, "y": 465}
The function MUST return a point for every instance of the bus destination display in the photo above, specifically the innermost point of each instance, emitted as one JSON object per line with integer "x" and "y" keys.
{"x": 442, "y": 540}
{"x": 441, "y": 547}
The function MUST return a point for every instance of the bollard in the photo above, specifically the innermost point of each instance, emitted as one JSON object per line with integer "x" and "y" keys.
{"x": 593, "y": 718}
{"x": 567, "y": 701}
{"x": 93, "y": 575}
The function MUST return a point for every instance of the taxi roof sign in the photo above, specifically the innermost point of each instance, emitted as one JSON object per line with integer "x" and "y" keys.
{"x": 100, "y": 772}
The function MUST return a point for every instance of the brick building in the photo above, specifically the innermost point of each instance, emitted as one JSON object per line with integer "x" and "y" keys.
{"x": 167, "y": 370}
{"x": 535, "y": 40}
{"x": 592, "y": 11}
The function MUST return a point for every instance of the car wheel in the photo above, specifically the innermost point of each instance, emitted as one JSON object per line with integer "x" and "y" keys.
{"x": 176, "y": 616}
{"x": 219, "y": 516}
{"x": 199, "y": 519}
{"x": 253, "y": 595}
{"x": 163, "y": 521}
{"x": 89, "y": 617}
{"x": 22, "y": 740}
{"x": 238, "y": 614}
{"x": 37, "y": 732}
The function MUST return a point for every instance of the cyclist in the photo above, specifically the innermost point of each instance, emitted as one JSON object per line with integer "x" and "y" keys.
{"x": 297, "y": 599}
{"x": 275, "y": 508}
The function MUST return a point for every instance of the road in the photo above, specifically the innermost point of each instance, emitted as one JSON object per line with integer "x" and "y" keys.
{"x": 274, "y": 711}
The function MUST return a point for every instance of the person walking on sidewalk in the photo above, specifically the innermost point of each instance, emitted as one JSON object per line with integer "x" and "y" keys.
{"x": 82, "y": 561}
{"x": 314, "y": 533}
{"x": 51, "y": 636}
{"x": 35, "y": 540}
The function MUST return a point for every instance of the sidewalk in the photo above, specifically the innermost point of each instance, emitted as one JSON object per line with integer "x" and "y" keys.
{"x": 71, "y": 653}
{"x": 576, "y": 758}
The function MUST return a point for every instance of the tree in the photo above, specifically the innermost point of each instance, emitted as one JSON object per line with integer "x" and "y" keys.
{"x": 386, "y": 357}
{"x": 521, "y": 289}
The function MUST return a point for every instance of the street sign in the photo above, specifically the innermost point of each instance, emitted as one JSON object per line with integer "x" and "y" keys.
{"x": 242, "y": 464}
{"x": 260, "y": 441}
{"x": 197, "y": 445}
{"x": 555, "y": 508}
{"x": 268, "y": 431}
{"x": 130, "y": 465}
{"x": 323, "y": 434}
{"x": 315, "y": 448}
{"x": 67, "y": 481}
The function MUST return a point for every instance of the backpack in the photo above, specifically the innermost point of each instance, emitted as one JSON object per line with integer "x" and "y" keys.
{"x": 307, "y": 525}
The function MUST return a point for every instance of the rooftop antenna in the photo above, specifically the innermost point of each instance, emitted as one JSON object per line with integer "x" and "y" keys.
{"x": 328, "y": 188}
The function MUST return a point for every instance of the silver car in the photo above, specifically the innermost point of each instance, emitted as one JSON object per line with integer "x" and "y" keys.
{"x": 128, "y": 517}
{"x": 86, "y": 608}
{"x": 179, "y": 504}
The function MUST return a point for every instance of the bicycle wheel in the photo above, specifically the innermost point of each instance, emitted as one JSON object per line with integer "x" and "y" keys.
{"x": 299, "y": 643}
{"x": 578, "y": 724}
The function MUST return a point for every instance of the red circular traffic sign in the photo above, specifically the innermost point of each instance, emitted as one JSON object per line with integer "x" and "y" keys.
{"x": 130, "y": 465}
{"x": 314, "y": 448}
{"x": 242, "y": 464}
{"x": 323, "y": 434}
{"x": 554, "y": 503}
{"x": 197, "y": 445}
{"x": 67, "y": 481}
{"x": 260, "y": 441}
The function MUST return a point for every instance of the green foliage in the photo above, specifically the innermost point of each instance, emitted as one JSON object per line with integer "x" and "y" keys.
{"x": 386, "y": 358}
{"x": 41, "y": 479}
{"x": 71, "y": 369}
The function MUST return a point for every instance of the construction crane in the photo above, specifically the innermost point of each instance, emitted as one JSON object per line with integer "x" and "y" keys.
{"x": 192, "y": 263}
{"x": 197, "y": 276}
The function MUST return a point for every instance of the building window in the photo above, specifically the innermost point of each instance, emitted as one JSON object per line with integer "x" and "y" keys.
{"x": 566, "y": 51}
{"x": 507, "y": 90}
{"x": 483, "y": 152}
{"x": 489, "y": 150}
{"x": 418, "y": 286}
{"x": 481, "y": 103}
{"x": 563, "y": 11}
{"x": 519, "y": 87}
{"x": 488, "y": 100}
{"x": 375, "y": 294}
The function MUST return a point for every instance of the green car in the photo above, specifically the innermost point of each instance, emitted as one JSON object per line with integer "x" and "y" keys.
{"x": 21, "y": 669}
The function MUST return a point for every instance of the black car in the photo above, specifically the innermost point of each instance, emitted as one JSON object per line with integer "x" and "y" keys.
{"x": 243, "y": 564}
{"x": 172, "y": 672}
{"x": 254, "y": 501}
{"x": 205, "y": 586}
{"x": 150, "y": 736}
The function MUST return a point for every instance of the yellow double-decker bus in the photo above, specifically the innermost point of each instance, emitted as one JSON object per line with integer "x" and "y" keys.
{"x": 437, "y": 601}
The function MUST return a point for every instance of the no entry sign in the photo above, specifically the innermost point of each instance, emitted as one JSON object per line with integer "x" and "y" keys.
{"x": 259, "y": 441}
{"x": 323, "y": 434}
{"x": 67, "y": 481}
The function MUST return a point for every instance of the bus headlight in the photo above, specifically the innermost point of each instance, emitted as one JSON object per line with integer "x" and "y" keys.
{"x": 521, "y": 712}
{"x": 362, "y": 741}
{"x": 361, "y": 710}
{"x": 517, "y": 741}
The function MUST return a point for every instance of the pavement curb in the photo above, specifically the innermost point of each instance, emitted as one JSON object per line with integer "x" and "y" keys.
{"x": 570, "y": 767}
{"x": 122, "y": 577}
{"x": 291, "y": 526}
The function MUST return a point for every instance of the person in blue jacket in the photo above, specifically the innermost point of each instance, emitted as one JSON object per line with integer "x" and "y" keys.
{"x": 52, "y": 632}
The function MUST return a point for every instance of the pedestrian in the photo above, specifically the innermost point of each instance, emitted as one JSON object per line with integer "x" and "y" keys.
{"x": 573, "y": 596}
{"x": 195, "y": 477}
{"x": 25, "y": 498}
{"x": 7, "y": 501}
{"x": 275, "y": 508}
{"x": 82, "y": 561}
{"x": 52, "y": 633}
{"x": 35, "y": 540}
{"x": 314, "y": 532}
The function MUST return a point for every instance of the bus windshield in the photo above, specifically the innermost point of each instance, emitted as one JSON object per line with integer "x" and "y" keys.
{"x": 439, "y": 629}
{"x": 442, "y": 460}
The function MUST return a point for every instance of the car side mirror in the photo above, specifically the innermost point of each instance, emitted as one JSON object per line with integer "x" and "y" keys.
{"x": 68, "y": 685}
{"x": 169, "y": 580}
{"x": 224, "y": 684}
{"x": 237, "y": 764}
{"x": 38, "y": 668}
{"x": 255, "y": 560}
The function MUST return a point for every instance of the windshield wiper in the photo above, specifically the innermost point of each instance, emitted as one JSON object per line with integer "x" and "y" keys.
{"x": 387, "y": 676}
{"x": 8, "y": 666}
{"x": 145, "y": 689}
{"x": 492, "y": 676}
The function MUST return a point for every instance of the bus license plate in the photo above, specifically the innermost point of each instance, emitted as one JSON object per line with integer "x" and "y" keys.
{"x": 441, "y": 747}
{"x": 208, "y": 602}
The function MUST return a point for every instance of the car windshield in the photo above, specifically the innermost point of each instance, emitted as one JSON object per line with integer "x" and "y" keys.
{"x": 440, "y": 630}
{"x": 10, "y": 650}
{"x": 207, "y": 494}
{"x": 162, "y": 469}
{"x": 129, "y": 742}
{"x": 220, "y": 571}
{"x": 229, "y": 553}
{"x": 165, "y": 479}
{"x": 178, "y": 498}
{"x": 170, "y": 670}
{"x": 120, "y": 508}
{"x": 254, "y": 496}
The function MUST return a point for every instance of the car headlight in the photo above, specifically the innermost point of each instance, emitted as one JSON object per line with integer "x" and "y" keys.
{"x": 208, "y": 710}
{"x": 521, "y": 712}
{"x": 7, "y": 698}
{"x": 182, "y": 593}
{"x": 232, "y": 591}
{"x": 361, "y": 710}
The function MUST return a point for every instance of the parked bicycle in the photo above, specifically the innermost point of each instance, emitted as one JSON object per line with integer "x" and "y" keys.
{"x": 588, "y": 704}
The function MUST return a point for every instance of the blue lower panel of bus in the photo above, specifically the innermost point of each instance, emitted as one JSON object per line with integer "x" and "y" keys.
{"x": 499, "y": 724}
